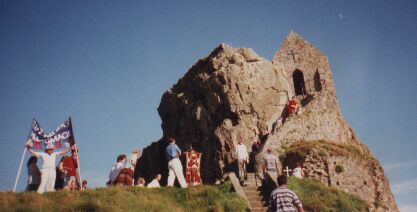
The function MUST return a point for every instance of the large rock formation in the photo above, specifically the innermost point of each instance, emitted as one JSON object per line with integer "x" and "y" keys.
{"x": 233, "y": 94}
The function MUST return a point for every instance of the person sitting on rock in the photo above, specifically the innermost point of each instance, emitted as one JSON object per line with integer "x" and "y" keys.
{"x": 155, "y": 182}
{"x": 270, "y": 162}
{"x": 292, "y": 106}
{"x": 298, "y": 171}
{"x": 283, "y": 199}
{"x": 242, "y": 160}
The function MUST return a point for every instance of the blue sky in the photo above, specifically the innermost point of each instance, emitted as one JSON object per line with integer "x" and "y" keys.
{"x": 107, "y": 63}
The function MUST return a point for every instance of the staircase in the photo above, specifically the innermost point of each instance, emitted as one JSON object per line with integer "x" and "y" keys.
{"x": 256, "y": 195}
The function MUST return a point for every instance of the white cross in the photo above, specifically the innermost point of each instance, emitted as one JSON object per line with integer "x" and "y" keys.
{"x": 287, "y": 170}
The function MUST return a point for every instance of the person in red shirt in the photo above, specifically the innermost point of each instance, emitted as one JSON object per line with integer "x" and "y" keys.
{"x": 70, "y": 165}
{"x": 192, "y": 175}
{"x": 292, "y": 106}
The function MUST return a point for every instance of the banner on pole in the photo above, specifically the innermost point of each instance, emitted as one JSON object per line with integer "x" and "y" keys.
{"x": 59, "y": 138}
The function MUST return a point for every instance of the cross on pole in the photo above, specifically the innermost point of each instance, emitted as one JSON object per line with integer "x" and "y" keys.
{"x": 293, "y": 55}
{"x": 288, "y": 171}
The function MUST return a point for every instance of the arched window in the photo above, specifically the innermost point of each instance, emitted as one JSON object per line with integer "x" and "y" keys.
{"x": 317, "y": 81}
{"x": 299, "y": 84}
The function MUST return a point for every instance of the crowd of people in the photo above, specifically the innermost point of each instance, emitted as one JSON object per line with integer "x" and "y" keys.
{"x": 65, "y": 175}
{"x": 122, "y": 172}
{"x": 282, "y": 198}
{"x": 53, "y": 177}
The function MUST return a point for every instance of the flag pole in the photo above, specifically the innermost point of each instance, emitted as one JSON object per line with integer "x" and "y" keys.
{"x": 21, "y": 161}
{"x": 20, "y": 168}
{"x": 78, "y": 159}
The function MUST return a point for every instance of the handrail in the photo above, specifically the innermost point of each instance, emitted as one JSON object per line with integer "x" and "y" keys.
{"x": 237, "y": 187}
{"x": 271, "y": 180}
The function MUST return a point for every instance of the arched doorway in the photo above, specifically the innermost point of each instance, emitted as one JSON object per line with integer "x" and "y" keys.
{"x": 299, "y": 84}
{"x": 317, "y": 81}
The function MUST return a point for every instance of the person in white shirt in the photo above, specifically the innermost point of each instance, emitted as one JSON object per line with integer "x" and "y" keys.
{"x": 155, "y": 182}
{"x": 298, "y": 171}
{"x": 48, "y": 172}
{"x": 115, "y": 169}
{"x": 242, "y": 159}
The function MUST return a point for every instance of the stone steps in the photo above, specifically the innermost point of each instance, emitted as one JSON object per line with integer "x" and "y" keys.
{"x": 257, "y": 204}
{"x": 260, "y": 209}
{"x": 254, "y": 194}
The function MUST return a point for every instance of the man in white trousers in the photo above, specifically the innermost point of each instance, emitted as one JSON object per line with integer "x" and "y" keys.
{"x": 48, "y": 172}
{"x": 242, "y": 160}
{"x": 173, "y": 153}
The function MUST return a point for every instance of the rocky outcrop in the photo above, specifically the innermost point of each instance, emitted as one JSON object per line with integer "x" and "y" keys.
{"x": 233, "y": 94}
{"x": 349, "y": 167}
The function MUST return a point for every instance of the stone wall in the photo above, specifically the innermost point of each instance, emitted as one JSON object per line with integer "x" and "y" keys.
{"x": 361, "y": 176}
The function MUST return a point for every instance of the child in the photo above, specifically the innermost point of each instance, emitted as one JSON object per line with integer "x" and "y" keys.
{"x": 84, "y": 185}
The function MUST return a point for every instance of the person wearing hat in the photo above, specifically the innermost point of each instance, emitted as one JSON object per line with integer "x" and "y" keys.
{"x": 48, "y": 173}
{"x": 271, "y": 162}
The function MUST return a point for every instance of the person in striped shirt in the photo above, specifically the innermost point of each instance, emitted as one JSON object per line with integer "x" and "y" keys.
{"x": 283, "y": 199}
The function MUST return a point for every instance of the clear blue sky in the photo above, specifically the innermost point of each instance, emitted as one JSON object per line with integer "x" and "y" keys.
{"x": 107, "y": 63}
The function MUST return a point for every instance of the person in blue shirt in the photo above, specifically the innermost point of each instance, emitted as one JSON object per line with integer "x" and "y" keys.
{"x": 173, "y": 154}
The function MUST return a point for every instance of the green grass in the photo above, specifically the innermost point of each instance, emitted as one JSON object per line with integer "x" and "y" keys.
{"x": 199, "y": 198}
{"x": 325, "y": 148}
{"x": 317, "y": 197}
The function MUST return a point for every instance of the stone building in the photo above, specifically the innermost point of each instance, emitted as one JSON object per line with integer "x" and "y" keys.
{"x": 306, "y": 67}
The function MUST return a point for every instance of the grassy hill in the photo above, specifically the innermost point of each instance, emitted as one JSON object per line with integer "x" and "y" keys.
{"x": 200, "y": 198}
{"x": 317, "y": 197}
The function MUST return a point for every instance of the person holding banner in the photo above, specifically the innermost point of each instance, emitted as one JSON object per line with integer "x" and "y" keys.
{"x": 48, "y": 173}
{"x": 54, "y": 140}
{"x": 192, "y": 173}
{"x": 70, "y": 165}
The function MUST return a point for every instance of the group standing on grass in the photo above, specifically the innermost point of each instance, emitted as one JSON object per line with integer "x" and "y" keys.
{"x": 46, "y": 178}
{"x": 122, "y": 171}
{"x": 281, "y": 199}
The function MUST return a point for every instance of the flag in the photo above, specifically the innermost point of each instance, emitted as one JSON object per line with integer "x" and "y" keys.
{"x": 36, "y": 135}
{"x": 59, "y": 138}
{"x": 62, "y": 135}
